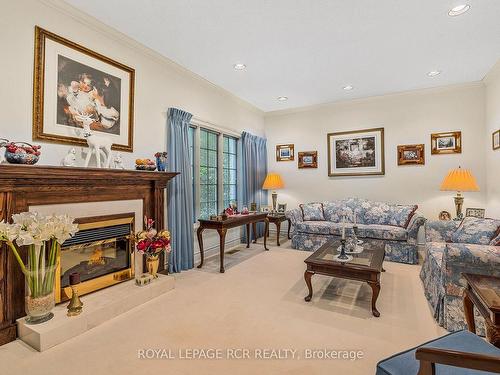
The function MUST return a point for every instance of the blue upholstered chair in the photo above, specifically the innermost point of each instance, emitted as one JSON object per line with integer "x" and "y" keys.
{"x": 458, "y": 353}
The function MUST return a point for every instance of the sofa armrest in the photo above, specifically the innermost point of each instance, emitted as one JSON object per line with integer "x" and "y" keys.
{"x": 461, "y": 258}
{"x": 295, "y": 217}
{"x": 414, "y": 226}
{"x": 440, "y": 230}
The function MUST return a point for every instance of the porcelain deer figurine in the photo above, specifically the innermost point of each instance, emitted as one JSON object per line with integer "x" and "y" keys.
{"x": 97, "y": 143}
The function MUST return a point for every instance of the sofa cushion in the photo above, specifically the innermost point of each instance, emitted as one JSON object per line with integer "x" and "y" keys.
{"x": 333, "y": 210}
{"x": 312, "y": 212}
{"x": 385, "y": 232}
{"x": 476, "y": 231}
{"x": 314, "y": 227}
{"x": 405, "y": 363}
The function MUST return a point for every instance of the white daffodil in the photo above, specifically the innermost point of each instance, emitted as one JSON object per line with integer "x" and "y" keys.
{"x": 8, "y": 232}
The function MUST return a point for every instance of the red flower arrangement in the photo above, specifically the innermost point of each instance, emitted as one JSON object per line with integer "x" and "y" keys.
{"x": 151, "y": 242}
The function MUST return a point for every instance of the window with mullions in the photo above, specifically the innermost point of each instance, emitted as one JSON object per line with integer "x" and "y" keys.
{"x": 208, "y": 173}
{"x": 230, "y": 170}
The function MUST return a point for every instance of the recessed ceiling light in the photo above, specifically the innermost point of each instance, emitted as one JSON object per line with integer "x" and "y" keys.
{"x": 348, "y": 88}
{"x": 434, "y": 73}
{"x": 239, "y": 66}
{"x": 282, "y": 98}
{"x": 458, "y": 10}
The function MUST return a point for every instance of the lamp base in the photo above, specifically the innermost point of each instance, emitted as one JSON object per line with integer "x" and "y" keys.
{"x": 459, "y": 203}
{"x": 275, "y": 199}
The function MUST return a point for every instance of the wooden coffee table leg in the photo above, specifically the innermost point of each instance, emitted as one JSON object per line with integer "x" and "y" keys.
{"x": 222, "y": 236}
{"x": 248, "y": 236}
{"x": 289, "y": 226}
{"x": 375, "y": 292}
{"x": 469, "y": 312}
{"x": 307, "y": 278}
{"x": 254, "y": 230}
{"x": 200, "y": 245}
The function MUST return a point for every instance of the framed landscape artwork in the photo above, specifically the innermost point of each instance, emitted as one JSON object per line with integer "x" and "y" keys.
{"x": 284, "y": 153}
{"x": 411, "y": 154}
{"x": 495, "y": 139}
{"x": 308, "y": 159}
{"x": 72, "y": 84}
{"x": 446, "y": 143}
{"x": 356, "y": 153}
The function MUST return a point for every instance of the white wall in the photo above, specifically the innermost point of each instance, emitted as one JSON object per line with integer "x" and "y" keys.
{"x": 408, "y": 118}
{"x": 492, "y": 82}
{"x": 160, "y": 83}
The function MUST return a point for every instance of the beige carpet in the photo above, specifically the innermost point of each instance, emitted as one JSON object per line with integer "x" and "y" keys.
{"x": 256, "y": 305}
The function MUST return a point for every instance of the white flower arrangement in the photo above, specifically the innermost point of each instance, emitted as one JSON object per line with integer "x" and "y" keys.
{"x": 36, "y": 231}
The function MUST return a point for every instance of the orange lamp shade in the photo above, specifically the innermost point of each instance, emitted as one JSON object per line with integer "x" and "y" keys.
{"x": 459, "y": 180}
{"x": 273, "y": 181}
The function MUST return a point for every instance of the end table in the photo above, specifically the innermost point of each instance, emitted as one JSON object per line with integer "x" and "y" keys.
{"x": 277, "y": 220}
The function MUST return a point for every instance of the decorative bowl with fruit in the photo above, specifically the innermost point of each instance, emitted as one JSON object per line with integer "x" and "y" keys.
{"x": 22, "y": 153}
{"x": 145, "y": 165}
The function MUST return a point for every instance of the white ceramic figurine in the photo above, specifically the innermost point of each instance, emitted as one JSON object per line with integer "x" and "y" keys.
{"x": 70, "y": 159}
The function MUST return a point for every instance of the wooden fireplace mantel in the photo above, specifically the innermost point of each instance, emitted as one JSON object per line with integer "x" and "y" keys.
{"x": 22, "y": 186}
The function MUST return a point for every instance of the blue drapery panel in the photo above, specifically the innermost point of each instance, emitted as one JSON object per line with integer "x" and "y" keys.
{"x": 254, "y": 171}
{"x": 180, "y": 191}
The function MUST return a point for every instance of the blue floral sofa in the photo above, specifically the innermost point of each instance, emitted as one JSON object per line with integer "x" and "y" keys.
{"x": 314, "y": 224}
{"x": 454, "y": 247}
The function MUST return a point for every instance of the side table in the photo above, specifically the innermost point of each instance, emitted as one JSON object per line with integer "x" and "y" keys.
{"x": 277, "y": 220}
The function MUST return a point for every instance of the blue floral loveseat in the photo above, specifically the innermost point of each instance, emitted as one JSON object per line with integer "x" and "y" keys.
{"x": 313, "y": 224}
{"x": 453, "y": 248}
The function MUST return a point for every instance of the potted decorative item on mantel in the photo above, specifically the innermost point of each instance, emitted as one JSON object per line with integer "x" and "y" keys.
{"x": 161, "y": 161}
{"x": 152, "y": 243}
{"x": 42, "y": 235}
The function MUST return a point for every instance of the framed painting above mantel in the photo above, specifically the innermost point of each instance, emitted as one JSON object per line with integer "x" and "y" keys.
{"x": 73, "y": 84}
{"x": 356, "y": 153}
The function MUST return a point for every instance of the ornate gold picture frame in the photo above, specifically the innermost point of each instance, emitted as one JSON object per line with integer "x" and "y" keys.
{"x": 446, "y": 143}
{"x": 73, "y": 85}
{"x": 308, "y": 159}
{"x": 411, "y": 154}
{"x": 495, "y": 140}
{"x": 285, "y": 152}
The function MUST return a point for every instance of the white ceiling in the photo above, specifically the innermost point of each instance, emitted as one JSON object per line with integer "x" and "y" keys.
{"x": 308, "y": 50}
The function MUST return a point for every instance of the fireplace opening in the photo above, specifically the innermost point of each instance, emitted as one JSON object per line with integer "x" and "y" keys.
{"x": 100, "y": 252}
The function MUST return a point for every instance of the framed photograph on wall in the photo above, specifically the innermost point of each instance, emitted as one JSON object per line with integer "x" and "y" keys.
{"x": 446, "y": 143}
{"x": 411, "y": 154}
{"x": 495, "y": 140}
{"x": 285, "y": 152}
{"x": 356, "y": 153}
{"x": 308, "y": 159}
{"x": 73, "y": 85}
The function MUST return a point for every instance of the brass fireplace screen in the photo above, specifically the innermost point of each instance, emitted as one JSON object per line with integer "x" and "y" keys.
{"x": 101, "y": 252}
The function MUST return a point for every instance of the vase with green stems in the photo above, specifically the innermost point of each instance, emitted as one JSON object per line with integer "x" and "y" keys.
{"x": 42, "y": 237}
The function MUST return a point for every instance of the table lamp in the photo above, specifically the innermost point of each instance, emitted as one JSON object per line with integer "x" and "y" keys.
{"x": 273, "y": 182}
{"x": 459, "y": 180}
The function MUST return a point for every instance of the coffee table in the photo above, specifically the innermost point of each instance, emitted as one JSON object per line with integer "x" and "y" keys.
{"x": 365, "y": 266}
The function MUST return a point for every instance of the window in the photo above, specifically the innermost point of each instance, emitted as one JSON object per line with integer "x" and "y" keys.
{"x": 191, "y": 156}
{"x": 208, "y": 173}
{"x": 230, "y": 170}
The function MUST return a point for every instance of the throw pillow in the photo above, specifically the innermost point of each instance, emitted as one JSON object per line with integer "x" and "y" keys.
{"x": 312, "y": 212}
{"x": 476, "y": 231}
{"x": 401, "y": 215}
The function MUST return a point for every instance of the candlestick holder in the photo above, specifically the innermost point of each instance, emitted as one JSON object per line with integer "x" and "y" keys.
{"x": 75, "y": 306}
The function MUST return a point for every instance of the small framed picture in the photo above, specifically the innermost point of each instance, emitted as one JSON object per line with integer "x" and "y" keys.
{"x": 495, "y": 140}
{"x": 285, "y": 153}
{"x": 411, "y": 154}
{"x": 265, "y": 209}
{"x": 475, "y": 212}
{"x": 444, "y": 216}
{"x": 308, "y": 159}
{"x": 446, "y": 143}
{"x": 281, "y": 207}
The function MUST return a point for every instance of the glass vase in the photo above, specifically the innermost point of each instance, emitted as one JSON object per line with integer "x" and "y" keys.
{"x": 40, "y": 280}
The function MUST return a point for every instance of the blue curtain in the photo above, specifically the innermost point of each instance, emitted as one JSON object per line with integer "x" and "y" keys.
{"x": 180, "y": 191}
{"x": 254, "y": 171}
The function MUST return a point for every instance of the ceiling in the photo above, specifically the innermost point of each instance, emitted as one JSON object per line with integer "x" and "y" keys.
{"x": 308, "y": 50}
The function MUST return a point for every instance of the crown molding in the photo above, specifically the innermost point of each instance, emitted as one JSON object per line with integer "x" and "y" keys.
{"x": 347, "y": 102}
{"x": 125, "y": 40}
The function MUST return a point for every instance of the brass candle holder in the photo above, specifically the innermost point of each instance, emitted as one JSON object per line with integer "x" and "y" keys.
{"x": 75, "y": 306}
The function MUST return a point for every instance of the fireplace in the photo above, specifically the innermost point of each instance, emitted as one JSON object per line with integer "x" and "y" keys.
{"x": 101, "y": 252}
